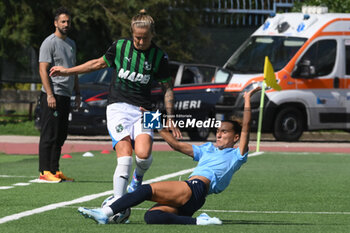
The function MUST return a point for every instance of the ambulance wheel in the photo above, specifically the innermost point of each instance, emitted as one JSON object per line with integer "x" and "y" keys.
{"x": 199, "y": 134}
{"x": 288, "y": 124}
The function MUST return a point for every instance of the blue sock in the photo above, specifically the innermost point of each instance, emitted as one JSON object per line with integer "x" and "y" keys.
{"x": 161, "y": 217}
{"x": 143, "y": 193}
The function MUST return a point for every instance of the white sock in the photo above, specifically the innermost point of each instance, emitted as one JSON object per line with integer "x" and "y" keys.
{"x": 121, "y": 176}
{"x": 107, "y": 210}
{"x": 142, "y": 165}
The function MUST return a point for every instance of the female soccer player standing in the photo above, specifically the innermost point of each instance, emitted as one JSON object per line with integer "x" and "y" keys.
{"x": 138, "y": 62}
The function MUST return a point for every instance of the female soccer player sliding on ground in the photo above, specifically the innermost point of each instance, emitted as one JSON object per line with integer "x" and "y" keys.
{"x": 177, "y": 201}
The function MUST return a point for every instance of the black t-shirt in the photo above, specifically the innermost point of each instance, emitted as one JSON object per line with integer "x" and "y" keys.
{"x": 135, "y": 72}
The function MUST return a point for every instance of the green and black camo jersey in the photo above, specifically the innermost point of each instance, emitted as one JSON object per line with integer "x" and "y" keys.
{"x": 136, "y": 70}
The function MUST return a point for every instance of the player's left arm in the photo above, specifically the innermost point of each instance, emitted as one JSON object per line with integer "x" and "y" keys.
{"x": 169, "y": 107}
{"x": 247, "y": 116}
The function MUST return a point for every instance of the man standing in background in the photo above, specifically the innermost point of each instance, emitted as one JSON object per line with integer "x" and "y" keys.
{"x": 56, "y": 50}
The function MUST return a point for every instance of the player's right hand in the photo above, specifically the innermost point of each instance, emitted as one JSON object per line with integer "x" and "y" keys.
{"x": 51, "y": 101}
{"x": 58, "y": 71}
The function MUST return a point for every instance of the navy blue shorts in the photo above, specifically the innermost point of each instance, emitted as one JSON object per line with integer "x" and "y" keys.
{"x": 197, "y": 200}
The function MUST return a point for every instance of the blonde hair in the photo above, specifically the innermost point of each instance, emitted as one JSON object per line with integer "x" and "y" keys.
{"x": 143, "y": 20}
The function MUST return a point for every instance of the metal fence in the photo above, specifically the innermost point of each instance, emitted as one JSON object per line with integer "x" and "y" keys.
{"x": 239, "y": 12}
{"x": 28, "y": 72}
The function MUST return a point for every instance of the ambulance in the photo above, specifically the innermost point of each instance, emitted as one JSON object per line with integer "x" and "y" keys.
{"x": 310, "y": 54}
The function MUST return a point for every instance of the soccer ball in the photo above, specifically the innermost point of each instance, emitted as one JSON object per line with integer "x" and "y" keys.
{"x": 108, "y": 201}
{"x": 118, "y": 218}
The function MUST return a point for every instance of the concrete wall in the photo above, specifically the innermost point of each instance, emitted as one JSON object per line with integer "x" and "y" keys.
{"x": 8, "y": 99}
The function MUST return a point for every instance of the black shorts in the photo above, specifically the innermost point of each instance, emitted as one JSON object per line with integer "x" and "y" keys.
{"x": 197, "y": 200}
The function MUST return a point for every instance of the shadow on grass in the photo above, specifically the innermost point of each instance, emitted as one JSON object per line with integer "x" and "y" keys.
{"x": 263, "y": 222}
{"x": 93, "y": 181}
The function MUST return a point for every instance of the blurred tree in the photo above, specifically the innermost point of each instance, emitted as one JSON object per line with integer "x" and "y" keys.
{"x": 96, "y": 23}
{"x": 334, "y": 6}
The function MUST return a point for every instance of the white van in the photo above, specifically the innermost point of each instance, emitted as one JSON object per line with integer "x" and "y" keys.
{"x": 310, "y": 53}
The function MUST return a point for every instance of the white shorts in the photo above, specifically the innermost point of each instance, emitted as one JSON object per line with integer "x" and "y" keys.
{"x": 125, "y": 120}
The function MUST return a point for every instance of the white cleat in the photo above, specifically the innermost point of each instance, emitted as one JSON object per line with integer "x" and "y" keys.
{"x": 95, "y": 214}
{"x": 204, "y": 219}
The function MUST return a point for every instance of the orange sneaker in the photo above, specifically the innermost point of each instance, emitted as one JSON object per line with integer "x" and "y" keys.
{"x": 60, "y": 175}
{"x": 48, "y": 177}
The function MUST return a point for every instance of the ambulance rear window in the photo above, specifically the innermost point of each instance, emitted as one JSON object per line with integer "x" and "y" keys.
{"x": 347, "y": 59}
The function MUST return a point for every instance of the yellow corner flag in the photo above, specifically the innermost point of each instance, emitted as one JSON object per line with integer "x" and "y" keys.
{"x": 269, "y": 75}
{"x": 269, "y": 80}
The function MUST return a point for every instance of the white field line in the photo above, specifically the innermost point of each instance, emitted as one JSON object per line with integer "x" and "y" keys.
{"x": 21, "y": 184}
{"x": 89, "y": 197}
{"x": 275, "y": 212}
{"x": 10, "y": 176}
{"x": 256, "y": 154}
{"x": 17, "y": 184}
{"x": 83, "y": 199}
{"x": 253, "y": 211}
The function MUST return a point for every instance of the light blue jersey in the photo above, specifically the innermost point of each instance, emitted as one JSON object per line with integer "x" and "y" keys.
{"x": 217, "y": 165}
